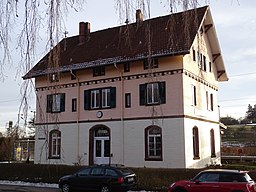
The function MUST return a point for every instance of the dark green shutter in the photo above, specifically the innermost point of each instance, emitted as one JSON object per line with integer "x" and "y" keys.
{"x": 87, "y": 99}
{"x": 143, "y": 94}
{"x": 162, "y": 92}
{"x": 49, "y": 104}
{"x": 112, "y": 97}
{"x": 62, "y": 102}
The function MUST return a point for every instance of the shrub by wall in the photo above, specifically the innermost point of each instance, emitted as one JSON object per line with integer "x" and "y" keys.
{"x": 148, "y": 178}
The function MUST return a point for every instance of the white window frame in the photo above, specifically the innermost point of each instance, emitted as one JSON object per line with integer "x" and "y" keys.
{"x": 55, "y": 144}
{"x": 56, "y": 99}
{"x": 105, "y": 98}
{"x": 152, "y": 146}
{"x": 95, "y": 99}
{"x": 152, "y": 93}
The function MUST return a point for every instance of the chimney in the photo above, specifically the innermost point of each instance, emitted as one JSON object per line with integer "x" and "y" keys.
{"x": 139, "y": 16}
{"x": 84, "y": 32}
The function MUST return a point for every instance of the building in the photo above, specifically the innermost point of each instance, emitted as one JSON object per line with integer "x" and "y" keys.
{"x": 143, "y": 94}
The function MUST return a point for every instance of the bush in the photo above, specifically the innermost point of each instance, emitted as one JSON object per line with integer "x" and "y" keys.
{"x": 148, "y": 178}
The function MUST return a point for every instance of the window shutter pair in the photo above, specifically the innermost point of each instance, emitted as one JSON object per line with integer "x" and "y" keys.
{"x": 87, "y": 98}
{"x": 162, "y": 93}
{"x": 50, "y": 103}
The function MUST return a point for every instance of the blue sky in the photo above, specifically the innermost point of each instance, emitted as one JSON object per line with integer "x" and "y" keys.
{"x": 235, "y": 22}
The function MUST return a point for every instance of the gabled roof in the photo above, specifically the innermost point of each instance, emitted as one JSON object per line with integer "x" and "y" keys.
{"x": 167, "y": 35}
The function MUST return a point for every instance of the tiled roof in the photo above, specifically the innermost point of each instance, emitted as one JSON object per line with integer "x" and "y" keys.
{"x": 167, "y": 35}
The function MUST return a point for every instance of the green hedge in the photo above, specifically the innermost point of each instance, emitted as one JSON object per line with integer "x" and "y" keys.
{"x": 148, "y": 178}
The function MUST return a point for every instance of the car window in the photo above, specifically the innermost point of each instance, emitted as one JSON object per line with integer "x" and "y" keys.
{"x": 208, "y": 177}
{"x": 125, "y": 171}
{"x": 111, "y": 172}
{"x": 231, "y": 177}
{"x": 97, "y": 171}
{"x": 84, "y": 172}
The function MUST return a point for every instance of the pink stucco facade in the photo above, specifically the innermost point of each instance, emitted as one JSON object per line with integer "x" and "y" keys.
{"x": 179, "y": 131}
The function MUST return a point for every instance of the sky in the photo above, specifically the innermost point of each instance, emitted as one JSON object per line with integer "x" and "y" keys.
{"x": 235, "y": 24}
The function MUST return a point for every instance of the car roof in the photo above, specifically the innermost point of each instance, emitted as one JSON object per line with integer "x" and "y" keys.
{"x": 224, "y": 171}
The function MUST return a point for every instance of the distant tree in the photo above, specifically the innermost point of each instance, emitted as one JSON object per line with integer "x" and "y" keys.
{"x": 229, "y": 120}
{"x": 31, "y": 127}
{"x": 250, "y": 116}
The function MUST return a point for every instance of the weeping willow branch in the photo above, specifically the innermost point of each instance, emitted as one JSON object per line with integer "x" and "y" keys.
{"x": 46, "y": 17}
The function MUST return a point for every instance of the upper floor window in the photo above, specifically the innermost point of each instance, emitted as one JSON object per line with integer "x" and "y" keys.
{"x": 194, "y": 55}
{"x": 127, "y": 67}
{"x": 204, "y": 63}
{"x": 98, "y": 71}
{"x": 56, "y": 103}
{"x": 150, "y": 63}
{"x": 74, "y": 105}
{"x": 54, "y": 144}
{"x": 152, "y": 93}
{"x": 100, "y": 98}
{"x": 199, "y": 59}
{"x": 153, "y": 136}
{"x": 210, "y": 66}
{"x": 193, "y": 95}
{"x": 211, "y": 101}
{"x": 127, "y": 100}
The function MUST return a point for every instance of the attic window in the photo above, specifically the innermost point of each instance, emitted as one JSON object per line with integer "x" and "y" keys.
{"x": 54, "y": 77}
{"x": 194, "y": 55}
{"x": 150, "y": 63}
{"x": 127, "y": 67}
{"x": 73, "y": 75}
{"x": 98, "y": 71}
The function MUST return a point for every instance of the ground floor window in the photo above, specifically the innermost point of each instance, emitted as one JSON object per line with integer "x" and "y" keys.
{"x": 153, "y": 143}
{"x": 212, "y": 139}
{"x": 196, "y": 143}
{"x": 54, "y": 144}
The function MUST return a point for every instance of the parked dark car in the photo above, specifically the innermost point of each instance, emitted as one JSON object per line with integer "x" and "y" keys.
{"x": 103, "y": 178}
{"x": 216, "y": 180}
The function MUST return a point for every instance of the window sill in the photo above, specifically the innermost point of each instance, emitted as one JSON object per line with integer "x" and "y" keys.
{"x": 153, "y": 159}
{"x": 196, "y": 158}
{"x": 53, "y": 157}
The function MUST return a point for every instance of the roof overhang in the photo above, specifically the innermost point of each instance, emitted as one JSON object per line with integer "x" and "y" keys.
{"x": 215, "y": 47}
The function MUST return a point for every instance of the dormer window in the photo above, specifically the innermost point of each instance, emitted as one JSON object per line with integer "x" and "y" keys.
{"x": 98, "y": 71}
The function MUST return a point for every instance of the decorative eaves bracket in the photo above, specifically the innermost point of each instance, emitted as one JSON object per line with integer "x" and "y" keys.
{"x": 220, "y": 73}
{"x": 215, "y": 56}
{"x": 207, "y": 27}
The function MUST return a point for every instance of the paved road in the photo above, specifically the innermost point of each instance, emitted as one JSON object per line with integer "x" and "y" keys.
{"x": 15, "y": 188}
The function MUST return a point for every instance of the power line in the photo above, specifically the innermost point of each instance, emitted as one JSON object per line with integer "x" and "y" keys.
{"x": 6, "y": 101}
{"x": 242, "y": 74}
{"x": 237, "y": 99}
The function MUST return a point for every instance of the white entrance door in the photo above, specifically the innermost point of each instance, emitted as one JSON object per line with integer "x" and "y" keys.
{"x": 101, "y": 150}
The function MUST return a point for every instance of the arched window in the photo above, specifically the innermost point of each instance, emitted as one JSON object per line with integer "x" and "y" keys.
{"x": 212, "y": 139}
{"x": 153, "y": 143}
{"x": 54, "y": 144}
{"x": 196, "y": 143}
